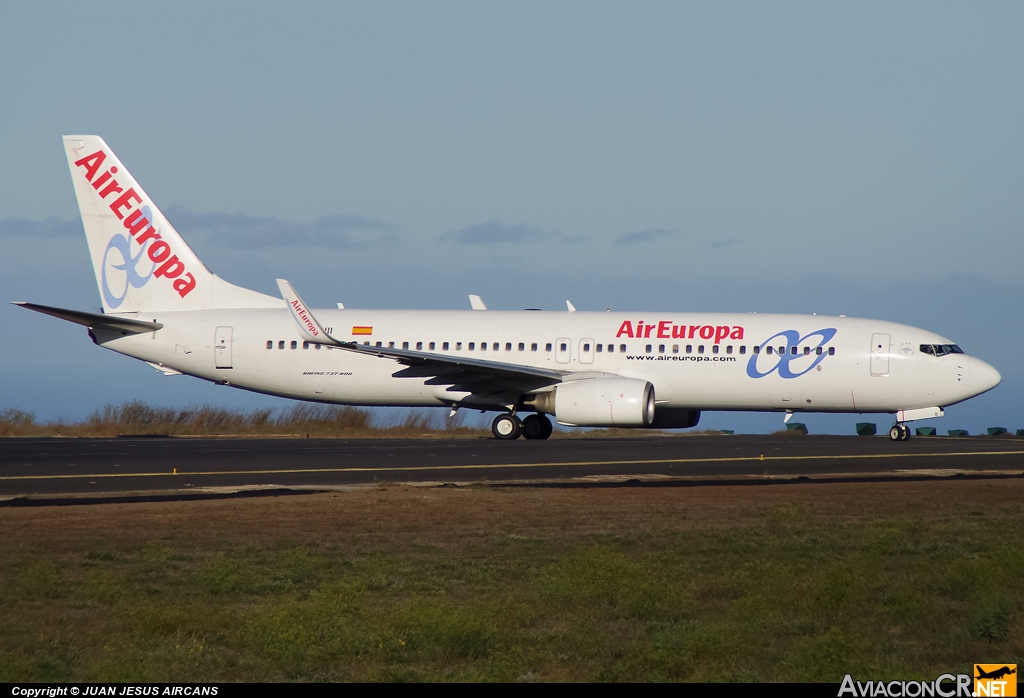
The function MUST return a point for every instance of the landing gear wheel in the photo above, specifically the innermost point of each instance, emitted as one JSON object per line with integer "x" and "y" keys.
{"x": 536, "y": 426}
{"x": 899, "y": 432}
{"x": 506, "y": 427}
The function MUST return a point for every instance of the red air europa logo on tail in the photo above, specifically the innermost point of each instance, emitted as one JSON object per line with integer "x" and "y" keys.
{"x": 127, "y": 207}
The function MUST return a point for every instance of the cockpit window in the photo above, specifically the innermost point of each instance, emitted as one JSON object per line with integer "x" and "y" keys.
{"x": 940, "y": 349}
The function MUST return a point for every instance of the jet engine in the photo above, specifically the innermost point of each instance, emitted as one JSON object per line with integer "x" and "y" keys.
{"x": 605, "y": 402}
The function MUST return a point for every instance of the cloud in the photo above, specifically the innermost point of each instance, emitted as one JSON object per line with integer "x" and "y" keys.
{"x": 234, "y": 229}
{"x": 494, "y": 232}
{"x": 642, "y": 236}
{"x": 49, "y": 228}
{"x": 240, "y": 230}
{"x": 725, "y": 243}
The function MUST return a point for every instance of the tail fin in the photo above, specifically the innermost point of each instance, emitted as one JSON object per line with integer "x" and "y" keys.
{"x": 141, "y": 262}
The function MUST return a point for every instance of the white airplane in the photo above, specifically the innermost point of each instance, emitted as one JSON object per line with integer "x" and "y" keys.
{"x": 587, "y": 369}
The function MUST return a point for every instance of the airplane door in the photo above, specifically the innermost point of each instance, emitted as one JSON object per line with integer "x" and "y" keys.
{"x": 563, "y": 350}
{"x": 586, "y": 351}
{"x": 222, "y": 347}
{"x": 880, "y": 354}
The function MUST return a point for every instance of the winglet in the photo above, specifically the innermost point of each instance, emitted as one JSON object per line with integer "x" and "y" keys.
{"x": 308, "y": 324}
{"x": 570, "y": 306}
{"x": 476, "y": 302}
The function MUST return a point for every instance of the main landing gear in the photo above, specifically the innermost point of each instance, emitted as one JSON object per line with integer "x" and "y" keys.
{"x": 537, "y": 426}
{"x": 899, "y": 432}
{"x": 508, "y": 427}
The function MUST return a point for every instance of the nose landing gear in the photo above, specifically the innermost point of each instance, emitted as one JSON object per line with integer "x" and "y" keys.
{"x": 899, "y": 432}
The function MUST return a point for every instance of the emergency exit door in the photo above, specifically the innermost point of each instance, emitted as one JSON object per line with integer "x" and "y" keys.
{"x": 222, "y": 347}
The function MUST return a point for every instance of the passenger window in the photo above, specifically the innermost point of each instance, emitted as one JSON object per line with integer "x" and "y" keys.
{"x": 391, "y": 345}
{"x": 714, "y": 349}
{"x": 305, "y": 345}
{"x": 600, "y": 348}
{"x": 522, "y": 346}
{"x": 792, "y": 350}
{"x": 767, "y": 349}
{"x": 648, "y": 348}
{"x": 689, "y": 348}
{"x": 280, "y": 345}
{"x": 270, "y": 344}
{"x": 317, "y": 347}
{"x": 547, "y": 347}
{"x": 622, "y": 348}
{"x": 497, "y": 346}
{"x": 508, "y": 346}
{"x": 366, "y": 344}
{"x": 295, "y": 345}
{"x": 661, "y": 348}
{"x": 700, "y": 349}
{"x": 533, "y": 347}
{"x": 586, "y": 347}
{"x": 782, "y": 350}
{"x": 675, "y": 348}
{"x": 818, "y": 351}
{"x": 472, "y": 345}
{"x": 379, "y": 344}
{"x": 807, "y": 350}
{"x": 419, "y": 346}
{"x": 458, "y": 346}
{"x": 405, "y": 345}
{"x": 743, "y": 349}
{"x": 831, "y": 351}
{"x": 444, "y": 346}
{"x": 728, "y": 349}
{"x": 564, "y": 347}
{"x": 483, "y": 346}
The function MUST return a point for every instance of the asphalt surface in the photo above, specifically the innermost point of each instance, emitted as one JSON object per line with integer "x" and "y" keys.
{"x": 56, "y": 467}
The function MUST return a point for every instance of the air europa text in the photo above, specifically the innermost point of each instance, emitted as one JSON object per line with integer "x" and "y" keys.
{"x": 664, "y": 329}
{"x": 168, "y": 265}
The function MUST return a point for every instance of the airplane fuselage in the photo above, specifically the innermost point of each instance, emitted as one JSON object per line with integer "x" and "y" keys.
{"x": 698, "y": 361}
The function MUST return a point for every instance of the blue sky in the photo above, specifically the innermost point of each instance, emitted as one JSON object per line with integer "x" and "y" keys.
{"x": 864, "y": 159}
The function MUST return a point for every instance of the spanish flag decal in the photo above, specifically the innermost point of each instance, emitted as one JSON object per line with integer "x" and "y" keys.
{"x": 362, "y": 329}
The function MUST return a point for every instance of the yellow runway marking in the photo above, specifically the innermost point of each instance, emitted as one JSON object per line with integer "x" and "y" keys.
{"x": 496, "y": 466}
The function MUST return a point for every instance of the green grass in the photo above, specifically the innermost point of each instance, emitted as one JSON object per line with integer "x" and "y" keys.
{"x": 789, "y": 596}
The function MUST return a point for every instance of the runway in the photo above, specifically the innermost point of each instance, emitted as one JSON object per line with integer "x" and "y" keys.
{"x": 54, "y": 467}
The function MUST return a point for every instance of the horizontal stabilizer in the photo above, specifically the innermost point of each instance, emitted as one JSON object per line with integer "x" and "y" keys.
{"x": 96, "y": 320}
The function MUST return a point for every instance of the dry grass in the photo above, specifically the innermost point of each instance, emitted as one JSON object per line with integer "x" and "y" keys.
{"x": 138, "y": 418}
{"x": 788, "y": 582}
{"x": 322, "y": 421}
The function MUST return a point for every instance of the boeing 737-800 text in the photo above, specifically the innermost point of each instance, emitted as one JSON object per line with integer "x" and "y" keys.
{"x": 603, "y": 369}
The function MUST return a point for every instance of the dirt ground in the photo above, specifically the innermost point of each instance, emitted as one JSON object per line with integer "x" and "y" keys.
{"x": 395, "y": 516}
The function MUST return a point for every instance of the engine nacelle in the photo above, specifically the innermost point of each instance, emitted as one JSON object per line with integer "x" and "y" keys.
{"x": 605, "y": 402}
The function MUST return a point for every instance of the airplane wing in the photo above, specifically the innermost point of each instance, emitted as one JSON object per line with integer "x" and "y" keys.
{"x": 431, "y": 364}
{"x": 96, "y": 320}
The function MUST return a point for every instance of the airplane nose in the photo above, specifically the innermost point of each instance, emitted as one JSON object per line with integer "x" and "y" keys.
{"x": 981, "y": 376}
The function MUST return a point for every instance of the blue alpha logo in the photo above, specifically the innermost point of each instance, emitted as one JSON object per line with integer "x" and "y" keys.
{"x": 793, "y": 356}
{"x": 121, "y": 246}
